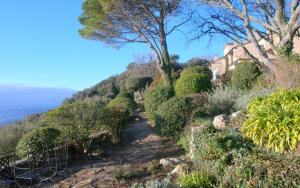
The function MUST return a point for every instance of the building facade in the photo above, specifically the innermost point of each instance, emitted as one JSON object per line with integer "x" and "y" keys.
{"x": 234, "y": 54}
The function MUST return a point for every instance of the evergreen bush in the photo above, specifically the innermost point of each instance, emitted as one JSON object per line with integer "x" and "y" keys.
{"x": 172, "y": 115}
{"x": 154, "y": 98}
{"x": 193, "y": 80}
{"x": 245, "y": 75}
{"x": 38, "y": 141}
{"x": 123, "y": 102}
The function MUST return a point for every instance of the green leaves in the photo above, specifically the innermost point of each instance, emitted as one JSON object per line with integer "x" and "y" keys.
{"x": 193, "y": 80}
{"x": 274, "y": 121}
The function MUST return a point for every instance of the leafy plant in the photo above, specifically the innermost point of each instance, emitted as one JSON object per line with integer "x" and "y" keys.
{"x": 197, "y": 180}
{"x": 78, "y": 122}
{"x": 193, "y": 80}
{"x": 245, "y": 75}
{"x": 273, "y": 121}
{"x": 172, "y": 115}
{"x": 154, "y": 98}
{"x": 221, "y": 100}
{"x": 123, "y": 102}
{"x": 136, "y": 83}
{"x": 38, "y": 141}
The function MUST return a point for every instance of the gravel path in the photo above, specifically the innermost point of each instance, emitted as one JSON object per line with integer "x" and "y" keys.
{"x": 139, "y": 145}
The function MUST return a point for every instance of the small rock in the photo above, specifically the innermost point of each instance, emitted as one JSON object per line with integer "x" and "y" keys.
{"x": 178, "y": 170}
{"x": 220, "y": 122}
{"x": 169, "y": 162}
{"x": 236, "y": 114}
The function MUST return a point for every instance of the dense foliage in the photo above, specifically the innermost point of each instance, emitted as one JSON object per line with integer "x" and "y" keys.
{"x": 221, "y": 100}
{"x": 38, "y": 141}
{"x": 122, "y": 102}
{"x": 236, "y": 162}
{"x": 193, "y": 80}
{"x": 196, "y": 180}
{"x": 172, "y": 115}
{"x": 136, "y": 83}
{"x": 245, "y": 75}
{"x": 154, "y": 98}
{"x": 79, "y": 122}
{"x": 10, "y": 135}
{"x": 273, "y": 121}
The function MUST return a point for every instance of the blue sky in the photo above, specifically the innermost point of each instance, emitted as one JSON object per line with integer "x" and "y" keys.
{"x": 40, "y": 46}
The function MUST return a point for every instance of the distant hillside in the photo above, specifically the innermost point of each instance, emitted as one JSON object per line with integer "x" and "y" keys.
{"x": 16, "y": 102}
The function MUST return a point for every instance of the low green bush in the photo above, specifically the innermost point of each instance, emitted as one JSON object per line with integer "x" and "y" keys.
{"x": 197, "y": 180}
{"x": 197, "y": 70}
{"x": 154, "y": 98}
{"x": 199, "y": 104}
{"x": 236, "y": 162}
{"x": 136, "y": 83}
{"x": 38, "y": 141}
{"x": 123, "y": 102}
{"x": 114, "y": 119}
{"x": 261, "y": 168}
{"x": 80, "y": 122}
{"x": 172, "y": 115}
{"x": 221, "y": 100}
{"x": 273, "y": 121}
{"x": 126, "y": 94}
{"x": 245, "y": 74}
{"x": 193, "y": 80}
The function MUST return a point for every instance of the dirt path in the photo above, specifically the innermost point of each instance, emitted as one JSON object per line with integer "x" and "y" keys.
{"x": 140, "y": 145}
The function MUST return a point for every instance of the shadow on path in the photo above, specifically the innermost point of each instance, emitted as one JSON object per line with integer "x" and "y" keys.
{"x": 139, "y": 145}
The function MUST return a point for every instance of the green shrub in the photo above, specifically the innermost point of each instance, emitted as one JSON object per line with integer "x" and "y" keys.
{"x": 262, "y": 168}
{"x": 37, "y": 141}
{"x": 126, "y": 94}
{"x": 197, "y": 180}
{"x": 122, "y": 102}
{"x": 199, "y": 104}
{"x": 245, "y": 75}
{"x": 226, "y": 78}
{"x": 196, "y": 62}
{"x": 136, "y": 83}
{"x": 172, "y": 115}
{"x": 221, "y": 100}
{"x": 197, "y": 70}
{"x": 273, "y": 121}
{"x": 193, "y": 80}
{"x": 78, "y": 122}
{"x": 184, "y": 142}
{"x": 154, "y": 98}
{"x": 114, "y": 119}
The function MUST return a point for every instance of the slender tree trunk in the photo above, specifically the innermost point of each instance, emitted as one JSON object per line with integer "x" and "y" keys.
{"x": 165, "y": 57}
{"x": 167, "y": 69}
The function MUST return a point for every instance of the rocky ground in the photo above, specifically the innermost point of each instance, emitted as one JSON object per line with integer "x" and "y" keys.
{"x": 139, "y": 146}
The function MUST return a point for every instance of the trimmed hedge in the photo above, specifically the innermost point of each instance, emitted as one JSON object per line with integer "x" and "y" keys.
{"x": 245, "y": 75}
{"x": 197, "y": 69}
{"x": 193, "y": 80}
{"x": 114, "y": 119}
{"x": 38, "y": 141}
{"x": 172, "y": 115}
{"x": 273, "y": 121}
{"x": 123, "y": 102}
{"x": 154, "y": 98}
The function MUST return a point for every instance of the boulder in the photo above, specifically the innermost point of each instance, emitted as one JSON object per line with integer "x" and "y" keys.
{"x": 221, "y": 121}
